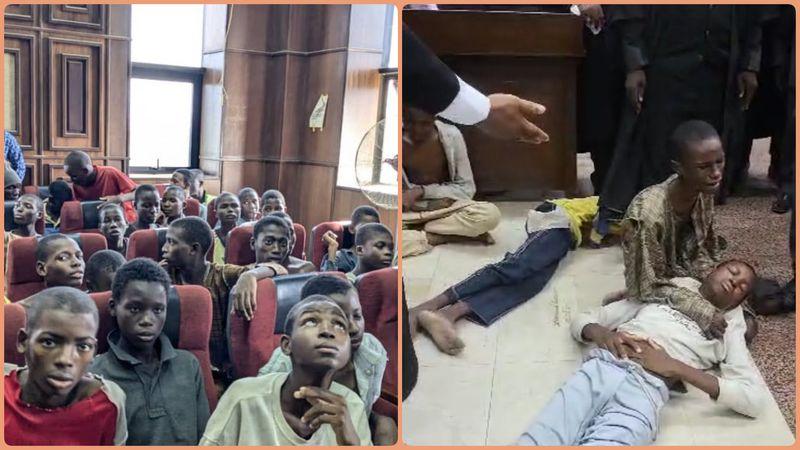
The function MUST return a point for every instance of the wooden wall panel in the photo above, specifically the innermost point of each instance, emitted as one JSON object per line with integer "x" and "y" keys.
{"x": 77, "y": 16}
{"x": 75, "y": 103}
{"x": 21, "y": 49}
{"x": 277, "y": 61}
{"x": 73, "y": 83}
{"x": 22, "y": 13}
{"x": 346, "y": 200}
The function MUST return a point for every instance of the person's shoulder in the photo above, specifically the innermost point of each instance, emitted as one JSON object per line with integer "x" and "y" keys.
{"x": 353, "y": 400}
{"x": 256, "y": 388}
{"x": 372, "y": 346}
{"x": 185, "y": 358}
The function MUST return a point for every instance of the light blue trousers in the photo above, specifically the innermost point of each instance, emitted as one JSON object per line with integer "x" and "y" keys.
{"x": 606, "y": 402}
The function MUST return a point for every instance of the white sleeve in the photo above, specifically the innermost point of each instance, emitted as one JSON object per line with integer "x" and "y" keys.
{"x": 740, "y": 388}
{"x": 610, "y": 316}
{"x": 468, "y": 108}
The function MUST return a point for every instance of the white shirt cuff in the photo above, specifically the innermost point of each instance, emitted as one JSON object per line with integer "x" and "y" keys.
{"x": 468, "y": 108}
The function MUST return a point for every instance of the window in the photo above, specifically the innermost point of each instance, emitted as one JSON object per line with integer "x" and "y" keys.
{"x": 380, "y": 144}
{"x": 166, "y": 87}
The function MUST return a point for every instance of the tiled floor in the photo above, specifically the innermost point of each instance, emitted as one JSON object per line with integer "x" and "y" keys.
{"x": 491, "y": 392}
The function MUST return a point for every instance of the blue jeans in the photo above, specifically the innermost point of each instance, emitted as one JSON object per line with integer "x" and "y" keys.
{"x": 607, "y": 402}
{"x": 497, "y": 288}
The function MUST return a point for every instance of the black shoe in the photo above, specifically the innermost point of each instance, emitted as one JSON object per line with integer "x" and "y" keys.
{"x": 782, "y": 204}
{"x": 788, "y": 297}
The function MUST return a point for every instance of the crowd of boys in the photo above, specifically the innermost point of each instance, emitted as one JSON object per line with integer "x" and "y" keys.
{"x": 318, "y": 388}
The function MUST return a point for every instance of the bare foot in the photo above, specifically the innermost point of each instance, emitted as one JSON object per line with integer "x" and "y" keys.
{"x": 442, "y": 331}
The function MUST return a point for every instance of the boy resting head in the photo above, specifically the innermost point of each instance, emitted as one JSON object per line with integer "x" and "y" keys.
{"x": 344, "y": 260}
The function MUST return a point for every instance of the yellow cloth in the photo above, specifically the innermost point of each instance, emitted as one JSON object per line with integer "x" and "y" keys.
{"x": 581, "y": 211}
{"x": 219, "y": 250}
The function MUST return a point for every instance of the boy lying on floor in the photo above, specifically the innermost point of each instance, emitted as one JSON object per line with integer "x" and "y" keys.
{"x": 643, "y": 350}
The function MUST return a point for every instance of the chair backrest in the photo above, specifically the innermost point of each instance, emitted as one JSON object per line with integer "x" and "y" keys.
{"x": 192, "y": 208}
{"x": 240, "y": 252}
{"x": 211, "y": 213}
{"x": 147, "y": 244}
{"x": 42, "y": 191}
{"x": 13, "y": 321}
{"x": 80, "y": 217}
{"x": 318, "y": 248}
{"x": 251, "y": 343}
{"x": 188, "y": 327}
{"x": 161, "y": 187}
{"x": 377, "y": 292}
{"x": 9, "y": 218}
{"x": 22, "y": 281}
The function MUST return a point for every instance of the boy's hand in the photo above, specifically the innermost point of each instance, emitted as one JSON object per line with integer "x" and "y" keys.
{"x": 635, "y": 84}
{"x": 619, "y": 343}
{"x": 164, "y": 264}
{"x": 656, "y": 360}
{"x": 392, "y": 162}
{"x": 410, "y": 196}
{"x": 718, "y": 325}
{"x": 748, "y": 84}
{"x": 244, "y": 296}
{"x": 327, "y": 407}
{"x": 330, "y": 239}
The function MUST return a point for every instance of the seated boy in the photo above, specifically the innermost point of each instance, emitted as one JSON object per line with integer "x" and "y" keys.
{"x": 344, "y": 260}
{"x": 293, "y": 264}
{"x": 166, "y": 400}
{"x": 27, "y": 211}
{"x": 59, "y": 193}
{"x": 53, "y": 400}
{"x": 644, "y": 349}
{"x": 363, "y": 373}
{"x": 374, "y": 249}
{"x": 59, "y": 260}
{"x": 437, "y": 201}
{"x": 304, "y": 406}
{"x": 13, "y": 185}
{"x": 187, "y": 243}
{"x": 147, "y": 202}
{"x": 113, "y": 226}
{"x": 272, "y": 201}
{"x": 172, "y": 205}
{"x": 553, "y": 228}
{"x": 100, "y": 270}
{"x": 248, "y": 198}
{"x": 196, "y": 188}
{"x": 229, "y": 215}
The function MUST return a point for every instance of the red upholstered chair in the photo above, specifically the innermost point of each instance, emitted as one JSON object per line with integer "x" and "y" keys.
{"x": 147, "y": 244}
{"x": 22, "y": 281}
{"x": 80, "y": 217}
{"x": 13, "y": 320}
{"x": 318, "y": 248}
{"x": 9, "y": 218}
{"x": 211, "y": 213}
{"x": 377, "y": 292}
{"x": 240, "y": 253}
{"x": 42, "y": 191}
{"x": 188, "y": 327}
{"x": 251, "y": 343}
{"x": 192, "y": 208}
{"x": 161, "y": 188}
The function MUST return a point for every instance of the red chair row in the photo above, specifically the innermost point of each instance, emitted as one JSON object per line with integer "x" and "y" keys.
{"x": 188, "y": 327}
{"x": 22, "y": 281}
{"x": 83, "y": 217}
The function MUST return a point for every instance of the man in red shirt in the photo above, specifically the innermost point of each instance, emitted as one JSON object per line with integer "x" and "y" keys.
{"x": 90, "y": 182}
{"x": 53, "y": 400}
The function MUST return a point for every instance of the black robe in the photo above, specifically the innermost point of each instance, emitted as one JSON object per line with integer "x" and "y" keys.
{"x": 691, "y": 55}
